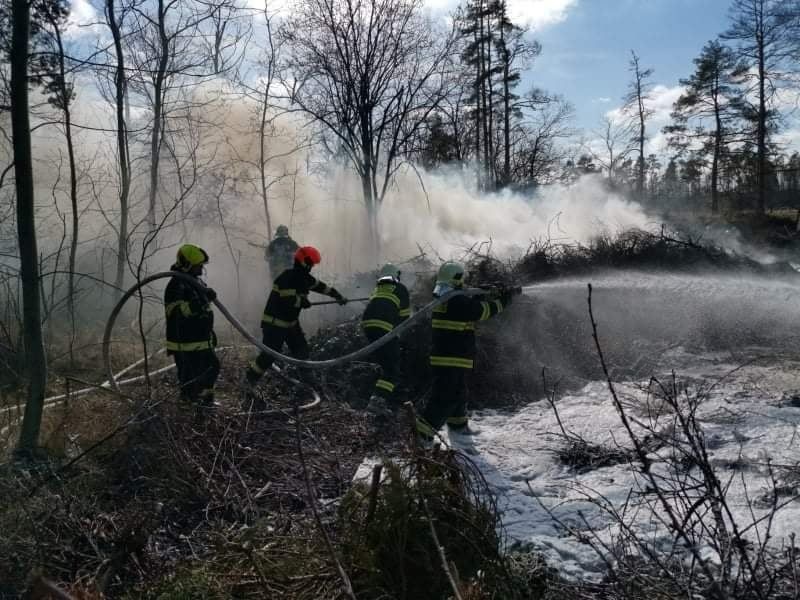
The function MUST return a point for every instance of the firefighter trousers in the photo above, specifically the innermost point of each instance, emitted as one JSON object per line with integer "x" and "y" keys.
{"x": 388, "y": 357}
{"x": 197, "y": 374}
{"x": 275, "y": 337}
{"x": 448, "y": 401}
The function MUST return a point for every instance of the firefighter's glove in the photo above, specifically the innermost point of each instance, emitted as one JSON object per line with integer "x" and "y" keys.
{"x": 210, "y": 294}
{"x": 304, "y": 302}
{"x": 338, "y": 297}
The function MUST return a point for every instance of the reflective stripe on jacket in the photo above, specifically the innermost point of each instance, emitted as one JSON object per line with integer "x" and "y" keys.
{"x": 190, "y": 320}
{"x": 453, "y": 324}
{"x": 389, "y": 305}
{"x": 288, "y": 291}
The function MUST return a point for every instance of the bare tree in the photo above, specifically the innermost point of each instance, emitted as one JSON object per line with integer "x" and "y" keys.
{"x": 61, "y": 92}
{"x": 229, "y": 27}
{"x": 168, "y": 58}
{"x": 617, "y": 142}
{"x": 26, "y": 227}
{"x": 370, "y": 72}
{"x": 536, "y": 139}
{"x": 636, "y": 105}
{"x": 119, "y": 95}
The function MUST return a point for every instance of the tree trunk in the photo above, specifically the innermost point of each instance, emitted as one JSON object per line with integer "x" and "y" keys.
{"x": 35, "y": 359}
{"x": 490, "y": 162}
{"x": 158, "y": 109}
{"x": 506, "y": 105}
{"x": 484, "y": 107}
{"x": 122, "y": 148}
{"x": 761, "y": 178}
{"x": 715, "y": 159}
{"x": 65, "y": 100}
{"x": 262, "y": 160}
{"x": 368, "y": 178}
{"x": 478, "y": 120}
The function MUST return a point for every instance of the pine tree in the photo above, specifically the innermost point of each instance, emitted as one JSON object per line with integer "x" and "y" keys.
{"x": 709, "y": 107}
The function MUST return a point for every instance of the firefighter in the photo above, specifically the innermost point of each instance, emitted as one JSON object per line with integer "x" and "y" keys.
{"x": 280, "y": 251}
{"x": 388, "y": 306}
{"x": 289, "y": 296}
{"x": 453, "y": 350}
{"x": 190, "y": 328}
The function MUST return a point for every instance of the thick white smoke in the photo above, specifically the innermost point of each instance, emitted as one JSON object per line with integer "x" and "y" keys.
{"x": 320, "y": 201}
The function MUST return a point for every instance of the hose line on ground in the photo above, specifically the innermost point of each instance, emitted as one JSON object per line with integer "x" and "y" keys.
{"x": 307, "y": 364}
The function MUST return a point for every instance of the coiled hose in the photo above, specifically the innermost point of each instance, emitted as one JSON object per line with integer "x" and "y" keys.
{"x": 307, "y": 364}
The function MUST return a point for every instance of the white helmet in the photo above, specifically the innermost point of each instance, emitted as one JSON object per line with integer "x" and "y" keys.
{"x": 389, "y": 271}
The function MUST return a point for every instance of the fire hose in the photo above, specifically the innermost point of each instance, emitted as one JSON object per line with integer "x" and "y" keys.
{"x": 307, "y": 364}
{"x": 113, "y": 382}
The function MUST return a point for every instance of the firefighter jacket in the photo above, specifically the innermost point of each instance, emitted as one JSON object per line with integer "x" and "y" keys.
{"x": 453, "y": 323}
{"x": 388, "y": 306}
{"x": 280, "y": 254}
{"x": 289, "y": 293}
{"x": 190, "y": 320}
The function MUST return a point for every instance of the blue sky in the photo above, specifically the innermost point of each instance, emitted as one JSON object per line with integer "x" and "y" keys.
{"x": 586, "y": 50}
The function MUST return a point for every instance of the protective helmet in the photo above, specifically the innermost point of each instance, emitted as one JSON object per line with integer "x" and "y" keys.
{"x": 308, "y": 256}
{"x": 389, "y": 271}
{"x": 451, "y": 273}
{"x": 190, "y": 256}
{"x": 450, "y": 277}
{"x": 282, "y": 231}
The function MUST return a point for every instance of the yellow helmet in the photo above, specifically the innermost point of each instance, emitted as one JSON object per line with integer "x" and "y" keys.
{"x": 190, "y": 256}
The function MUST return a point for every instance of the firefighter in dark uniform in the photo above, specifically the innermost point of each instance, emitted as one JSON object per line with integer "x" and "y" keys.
{"x": 388, "y": 306}
{"x": 280, "y": 323}
{"x": 190, "y": 328}
{"x": 280, "y": 251}
{"x": 453, "y": 350}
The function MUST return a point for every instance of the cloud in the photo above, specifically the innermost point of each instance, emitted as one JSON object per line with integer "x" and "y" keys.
{"x": 539, "y": 13}
{"x": 536, "y": 14}
{"x": 81, "y": 16}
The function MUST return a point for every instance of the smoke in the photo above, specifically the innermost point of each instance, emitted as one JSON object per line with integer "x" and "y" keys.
{"x": 320, "y": 200}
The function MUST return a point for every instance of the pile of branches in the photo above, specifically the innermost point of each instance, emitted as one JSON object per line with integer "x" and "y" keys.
{"x": 180, "y": 504}
{"x": 634, "y": 249}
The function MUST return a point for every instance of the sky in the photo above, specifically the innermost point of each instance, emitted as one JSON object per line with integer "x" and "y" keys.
{"x": 585, "y": 52}
{"x": 586, "y": 48}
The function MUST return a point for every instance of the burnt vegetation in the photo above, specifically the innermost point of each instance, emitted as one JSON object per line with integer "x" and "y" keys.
{"x": 152, "y": 123}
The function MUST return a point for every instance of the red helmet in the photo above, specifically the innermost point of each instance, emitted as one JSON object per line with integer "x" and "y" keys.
{"x": 308, "y": 256}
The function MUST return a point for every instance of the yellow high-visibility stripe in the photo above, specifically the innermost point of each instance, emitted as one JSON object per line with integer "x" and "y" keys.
{"x": 406, "y": 312}
{"x": 256, "y": 369}
{"x": 186, "y": 308}
{"x": 386, "y": 296}
{"x": 284, "y": 292}
{"x": 450, "y": 325}
{"x": 442, "y": 308}
{"x": 377, "y": 323}
{"x": 458, "y": 421}
{"x": 424, "y": 429}
{"x": 451, "y": 361}
{"x": 499, "y": 306}
{"x": 189, "y": 346}
{"x": 487, "y": 311}
{"x": 277, "y": 322}
{"x": 384, "y": 385}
